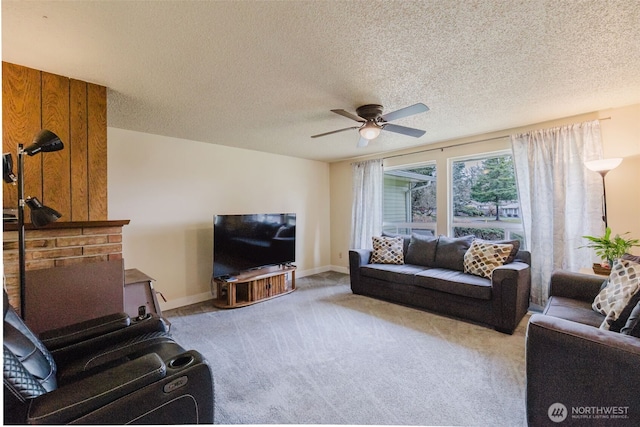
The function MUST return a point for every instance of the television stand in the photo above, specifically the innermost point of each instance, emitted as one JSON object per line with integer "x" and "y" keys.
{"x": 255, "y": 286}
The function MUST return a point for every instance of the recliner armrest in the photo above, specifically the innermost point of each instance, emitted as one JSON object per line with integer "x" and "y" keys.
{"x": 579, "y": 366}
{"x": 78, "y": 349}
{"x": 70, "y": 402}
{"x": 61, "y": 337}
{"x": 578, "y": 286}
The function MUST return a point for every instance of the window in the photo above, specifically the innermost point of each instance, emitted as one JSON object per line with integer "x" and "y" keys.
{"x": 410, "y": 200}
{"x": 485, "y": 198}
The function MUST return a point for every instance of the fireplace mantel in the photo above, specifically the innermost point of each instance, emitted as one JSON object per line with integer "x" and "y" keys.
{"x": 13, "y": 226}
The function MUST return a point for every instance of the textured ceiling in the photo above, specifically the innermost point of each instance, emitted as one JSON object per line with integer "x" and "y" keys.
{"x": 263, "y": 75}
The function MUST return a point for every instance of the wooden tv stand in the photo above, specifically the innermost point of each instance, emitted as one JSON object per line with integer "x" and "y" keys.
{"x": 255, "y": 286}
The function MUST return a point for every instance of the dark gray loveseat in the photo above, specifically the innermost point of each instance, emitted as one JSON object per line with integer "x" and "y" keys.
{"x": 432, "y": 278}
{"x": 589, "y": 375}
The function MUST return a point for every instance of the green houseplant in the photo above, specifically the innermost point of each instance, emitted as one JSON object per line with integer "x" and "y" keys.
{"x": 610, "y": 249}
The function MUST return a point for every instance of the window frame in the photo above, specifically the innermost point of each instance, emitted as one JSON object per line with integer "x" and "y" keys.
{"x": 480, "y": 156}
{"x": 408, "y": 225}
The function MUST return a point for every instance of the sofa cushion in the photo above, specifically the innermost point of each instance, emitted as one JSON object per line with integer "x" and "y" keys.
{"x": 483, "y": 257}
{"x": 629, "y": 257}
{"x": 392, "y": 273}
{"x": 387, "y": 250}
{"x": 454, "y": 282}
{"x": 632, "y": 326}
{"x": 422, "y": 250}
{"x": 573, "y": 309}
{"x": 620, "y": 296}
{"x": 450, "y": 252}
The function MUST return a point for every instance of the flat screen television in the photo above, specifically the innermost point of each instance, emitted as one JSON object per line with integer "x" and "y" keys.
{"x": 251, "y": 241}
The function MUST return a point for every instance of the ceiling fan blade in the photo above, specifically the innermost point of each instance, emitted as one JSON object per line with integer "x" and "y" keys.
{"x": 333, "y": 131}
{"x": 416, "y": 133}
{"x": 362, "y": 142}
{"x": 348, "y": 115}
{"x": 405, "y": 112}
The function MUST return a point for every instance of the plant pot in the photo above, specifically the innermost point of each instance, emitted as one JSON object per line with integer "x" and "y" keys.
{"x": 598, "y": 269}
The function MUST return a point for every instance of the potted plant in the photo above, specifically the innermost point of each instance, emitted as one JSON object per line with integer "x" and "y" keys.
{"x": 609, "y": 249}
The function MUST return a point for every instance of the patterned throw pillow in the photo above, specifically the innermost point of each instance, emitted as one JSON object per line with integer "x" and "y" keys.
{"x": 484, "y": 256}
{"x": 387, "y": 250}
{"x": 624, "y": 284}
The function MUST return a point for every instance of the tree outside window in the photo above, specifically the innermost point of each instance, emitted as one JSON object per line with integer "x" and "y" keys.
{"x": 485, "y": 198}
{"x": 496, "y": 184}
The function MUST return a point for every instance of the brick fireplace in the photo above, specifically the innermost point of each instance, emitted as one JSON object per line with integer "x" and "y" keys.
{"x": 59, "y": 244}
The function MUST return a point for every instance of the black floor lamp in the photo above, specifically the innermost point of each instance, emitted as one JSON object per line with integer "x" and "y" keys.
{"x": 45, "y": 141}
{"x": 603, "y": 167}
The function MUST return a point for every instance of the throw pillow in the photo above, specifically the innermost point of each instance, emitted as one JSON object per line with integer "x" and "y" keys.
{"x": 484, "y": 256}
{"x": 422, "y": 250}
{"x": 387, "y": 250}
{"x": 632, "y": 326}
{"x": 629, "y": 257}
{"x": 514, "y": 251}
{"x": 405, "y": 239}
{"x": 624, "y": 284}
{"x": 450, "y": 252}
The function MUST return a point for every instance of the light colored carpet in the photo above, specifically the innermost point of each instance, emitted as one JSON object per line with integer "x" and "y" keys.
{"x": 322, "y": 355}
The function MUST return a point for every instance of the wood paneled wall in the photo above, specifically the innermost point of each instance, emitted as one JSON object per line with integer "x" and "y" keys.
{"x": 74, "y": 180}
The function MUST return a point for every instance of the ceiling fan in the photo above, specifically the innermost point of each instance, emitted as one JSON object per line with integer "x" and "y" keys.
{"x": 373, "y": 121}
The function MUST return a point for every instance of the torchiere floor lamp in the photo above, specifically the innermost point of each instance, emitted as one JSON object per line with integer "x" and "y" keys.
{"x": 603, "y": 166}
{"x": 45, "y": 141}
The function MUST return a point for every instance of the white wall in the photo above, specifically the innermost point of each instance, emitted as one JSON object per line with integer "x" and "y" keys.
{"x": 171, "y": 188}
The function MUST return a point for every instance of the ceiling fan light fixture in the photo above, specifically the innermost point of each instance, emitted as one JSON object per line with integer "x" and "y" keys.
{"x": 370, "y": 130}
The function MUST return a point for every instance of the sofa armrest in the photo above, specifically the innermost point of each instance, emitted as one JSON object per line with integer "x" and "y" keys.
{"x": 581, "y": 367}
{"x": 511, "y": 287}
{"x": 61, "y": 337}
{"x": 357, "y": 258}
{"x": 572, "y": 285}
{"x": 76, "y": 399}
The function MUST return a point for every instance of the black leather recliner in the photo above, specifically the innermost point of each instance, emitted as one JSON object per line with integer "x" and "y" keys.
{"x": 110, "y": 370}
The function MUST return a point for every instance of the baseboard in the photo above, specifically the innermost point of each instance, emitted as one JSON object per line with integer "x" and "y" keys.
{"x": 205, "y": 296}
{"x": 312, "y": 271}
{"x": 181, "y": 302}
{"x": 338, "y": 269}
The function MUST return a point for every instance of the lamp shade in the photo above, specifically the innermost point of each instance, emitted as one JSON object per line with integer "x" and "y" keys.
{"x": 7, "y": 169}
{"x": 45, "y": 141}
{"x": 603, "y": 165}
{"x": 41, "y": 215}
{"x": 370, "y": 130}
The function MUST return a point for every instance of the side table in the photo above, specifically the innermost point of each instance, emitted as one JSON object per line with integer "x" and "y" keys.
{"x": 139, "y": 292}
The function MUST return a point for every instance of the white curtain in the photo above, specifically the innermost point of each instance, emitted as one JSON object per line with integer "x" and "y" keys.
{"x": 561, "y": 200}
{"x": 366, "y": 212}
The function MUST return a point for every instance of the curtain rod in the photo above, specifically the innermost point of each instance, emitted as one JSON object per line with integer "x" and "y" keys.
{"x": 459, "y": 145}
